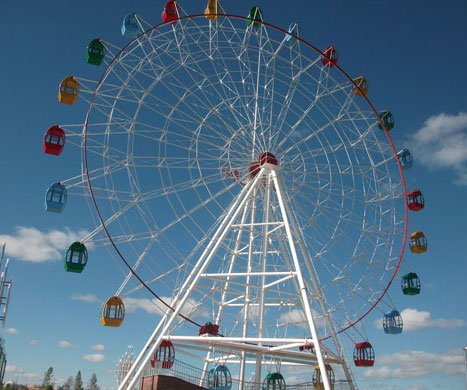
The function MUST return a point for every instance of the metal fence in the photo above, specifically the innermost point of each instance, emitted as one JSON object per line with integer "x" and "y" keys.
{"x": 193, "y": 375}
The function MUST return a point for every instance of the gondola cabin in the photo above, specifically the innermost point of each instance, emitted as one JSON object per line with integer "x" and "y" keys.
{"x": 415, "y": 200}
{"x": 294, "y": 29}
{"x": 130, "y": 26}
{"x": 267, "y": 158}
{"x": 361, "y": 86}
{"x": 213, "y": 9}
{"x": 164, "y": 356}
{"x": 113, "y": 312}
{"x": 418, "y": 242}
{"x": 209, "y": 329}
{"x": 307, "y": 347}
{"x": 392, "y": 322}
{"x": 330, "y": 57}
{"x": 410, "y": 284}
{"x": 388, "y": 120}
{"x": 254, "y": 17}
{"x": 55, "y": 198}
{"x": 363, "y": 354}
{"x": 318, "y": 380}
{"x": 253, "y": 170}
{"x": 274, "y": 381}
{"x": 170, "y": 14}
{"x": 96, "y": 52}
{"x": 68, "y": 90}
{"x": 219, "y": 378}
{"x": 54, "y": 141}
{"x": 405, "y": 158}
{"x": 76, "y": 257}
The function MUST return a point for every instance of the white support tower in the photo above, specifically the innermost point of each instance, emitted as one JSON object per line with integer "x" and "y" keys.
{"x": 5, "y": 287}
{"x": 260, "y": 272}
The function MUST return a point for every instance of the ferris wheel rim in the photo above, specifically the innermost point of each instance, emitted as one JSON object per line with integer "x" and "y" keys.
{"x": 311, "y": 46}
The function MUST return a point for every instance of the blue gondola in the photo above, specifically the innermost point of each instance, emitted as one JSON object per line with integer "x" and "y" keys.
{"x": 392, "y": 322}
{"x": 219, "y": 378}
{"x": 406, "y": 159}
{"x": 55, "y": 198}
{"x": 294, "y": 29}
{"x": 130, "y": 26}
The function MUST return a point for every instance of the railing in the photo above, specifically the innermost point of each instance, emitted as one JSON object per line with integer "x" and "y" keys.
{"x": 193, "y": 375}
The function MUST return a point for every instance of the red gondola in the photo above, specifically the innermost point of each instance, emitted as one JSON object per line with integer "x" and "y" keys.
{"x": 254, "y": 169}
{"x": 307, "y": 347}
{"x": 330, "y": 56}
{"x": 54, "y": 141}
{"x": 209, "y": 328}
{"x": 170, "y": 13}
{"x": 164, "y": 356}
{"x": 415, "y": 200}
{"x": 267, "y": 157}
{"x": 364, "y": 355}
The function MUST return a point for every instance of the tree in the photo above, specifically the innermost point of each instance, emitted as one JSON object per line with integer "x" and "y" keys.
{"x": 78, "y": 385}
{"x": 68, "y": 384}
{"x": 93, "y": 383}
{"x": 48, "y": 377}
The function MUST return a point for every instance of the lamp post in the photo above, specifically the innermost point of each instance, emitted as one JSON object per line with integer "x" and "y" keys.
{"x": 465, "y": 360}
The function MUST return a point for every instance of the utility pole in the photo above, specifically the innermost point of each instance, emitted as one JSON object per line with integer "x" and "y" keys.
{"x": 465, "y": 361}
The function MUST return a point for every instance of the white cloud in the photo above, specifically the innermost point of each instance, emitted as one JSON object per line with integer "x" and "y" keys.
{"x": 23, "y": 376}
{"x": 442, "y": 144}
{"x": 417, "y": 364}
{"x": 90, "y": 298}
{"x": 66, "y": 344}
{"x": 153, "y": 306}
{"x": 11, "y": 331}
{"x": 94, "y": 358}
{"x": 415, "y": 320}
{"x": 30, "y": 244}
{"x": 297, "y": 317}
{"x": 34, "y": 342}
{"x": 98, "y": 347}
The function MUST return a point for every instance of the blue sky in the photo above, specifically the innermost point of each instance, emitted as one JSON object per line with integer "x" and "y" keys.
{"x": 414, "y": 56}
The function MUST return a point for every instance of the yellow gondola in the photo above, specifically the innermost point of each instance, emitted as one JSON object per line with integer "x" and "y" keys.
{"x": 318, "y": 380}
{"x": 113, "y": 312}
{"x": 213, "y": 8}
{"x": 68, "y": 90}
{"x": 418, "y": 242}
{"x": 362, "y": 85}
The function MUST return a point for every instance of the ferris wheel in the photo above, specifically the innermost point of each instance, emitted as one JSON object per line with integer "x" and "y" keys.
{"x": 249, "y": 187}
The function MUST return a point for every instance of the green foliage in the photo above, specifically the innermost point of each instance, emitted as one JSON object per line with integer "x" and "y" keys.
{"x": 47, "y": 378}
{"x": 93, "y": 383}
{"x": 68, "y": 385}
{"x": 49, "y": 387}
{"x": 78, "y": 384}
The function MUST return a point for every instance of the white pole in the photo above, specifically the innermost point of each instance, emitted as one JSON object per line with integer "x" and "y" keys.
{"x": 465, "y": 359}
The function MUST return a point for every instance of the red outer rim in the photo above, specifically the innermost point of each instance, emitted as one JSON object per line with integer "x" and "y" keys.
{"x": 317, "y": 51}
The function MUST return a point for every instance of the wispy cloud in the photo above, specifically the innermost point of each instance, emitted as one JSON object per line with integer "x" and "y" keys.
{"x": 31, "y": 244}
{"x": 153, "y": 306}
{"x": 95, "y": 358}
{"x": 11, "y": 331}
{"x": 66, "y": 344}
{"x": 98, "y": 347}
{"x": 90, "y": 298}
{"x": 415, "y": 320}
{"x": 34, "y": 342}
{"x": 26, "y": 377}
{"x": 442, "y": 144}
{"x": 297, "y": 317}
{"x": 417, "y": 364}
